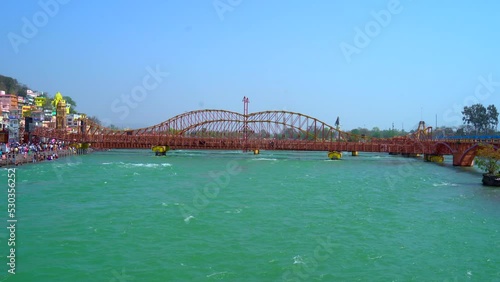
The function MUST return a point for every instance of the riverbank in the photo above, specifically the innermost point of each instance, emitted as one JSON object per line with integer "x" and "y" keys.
{"x": 36, "y": 157}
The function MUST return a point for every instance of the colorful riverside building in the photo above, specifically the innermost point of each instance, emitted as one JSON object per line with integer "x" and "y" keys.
{"x": 10, "y": 114}
{"x": 21, "y": 115}
{"x": 8, "y": 101}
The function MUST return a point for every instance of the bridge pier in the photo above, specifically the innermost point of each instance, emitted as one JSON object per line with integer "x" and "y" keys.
{"x": 463, "y": 159}
{"x": 160, "y": 150}
{"x": 335, "y": 155}
{"x": 433, "y": 158}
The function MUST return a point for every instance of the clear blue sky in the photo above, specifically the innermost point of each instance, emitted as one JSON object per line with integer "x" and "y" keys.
{"x": 424, "y": 61}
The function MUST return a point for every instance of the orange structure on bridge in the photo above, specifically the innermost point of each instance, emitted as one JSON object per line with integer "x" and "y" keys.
{"x": 268, "y": 130}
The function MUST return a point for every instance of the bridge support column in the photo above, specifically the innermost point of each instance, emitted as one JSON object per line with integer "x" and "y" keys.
{"x": 433, "y": 158}
{"x": 160, "y": 150}
{"x": 354, "y": 153}
{"x": 459, "y": 159}
{"x": 335, "y": 155}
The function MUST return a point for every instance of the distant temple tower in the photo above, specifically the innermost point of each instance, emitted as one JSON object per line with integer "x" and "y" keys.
{"x": 60, "y": 105}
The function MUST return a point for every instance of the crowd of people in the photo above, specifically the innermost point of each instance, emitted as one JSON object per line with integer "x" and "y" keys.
{"x": 15, "y": 153}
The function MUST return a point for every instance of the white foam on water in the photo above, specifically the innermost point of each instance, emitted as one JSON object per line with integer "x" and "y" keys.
{"x": 234, "y": 211}
{"x": 297, "y": 260}
{"x": 111, "y": 163}
{"x": 218, "y": 275}
{"x": 187, "y": 219}
{"x": 264, "y": 159}
{"x": 444, "y": 184}
{"x": 143, "y": 165}
{"x": 148, "y": 165}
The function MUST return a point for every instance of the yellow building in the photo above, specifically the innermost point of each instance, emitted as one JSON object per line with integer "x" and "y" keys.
{"x": 39, "y": 101}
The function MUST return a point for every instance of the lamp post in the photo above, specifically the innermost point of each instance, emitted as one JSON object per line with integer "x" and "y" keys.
{"x": 245, "y": 122}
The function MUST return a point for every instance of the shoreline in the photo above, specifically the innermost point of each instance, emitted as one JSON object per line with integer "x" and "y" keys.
{"x": 20, "y": 159}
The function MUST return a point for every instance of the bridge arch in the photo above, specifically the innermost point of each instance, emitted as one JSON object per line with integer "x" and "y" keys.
{"x": 222, "y": 121}
{"x": 179, "y": 122}
{"x": 273, "y": 123}
{"x": 465, "y": 158}
{"x": 443, "y": 148}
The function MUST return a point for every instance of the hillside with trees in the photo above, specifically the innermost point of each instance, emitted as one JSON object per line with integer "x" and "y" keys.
{"x": 12, "y": 86}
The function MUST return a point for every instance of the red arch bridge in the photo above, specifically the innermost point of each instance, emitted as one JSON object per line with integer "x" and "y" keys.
{"x": 268, "y": 130}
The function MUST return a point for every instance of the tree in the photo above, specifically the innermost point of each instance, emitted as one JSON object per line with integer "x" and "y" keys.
{"x": 70, "y": 101}
{"x": 113, "y": 127}
{"x": 477, "y": 116}
{"x": 22, "y": 90}
{"x": 289, "y": 133}
{"x": 487, "y": 158}
{"x": 492, "y": 117}
{"x": 443, "y": 131}
{"x": 480, "y": 118}
{"x": 12, "y": 86}
{"x": 8, "y": 84}
{"x": 48, "y": 104}
{"x": 95, "y": 120}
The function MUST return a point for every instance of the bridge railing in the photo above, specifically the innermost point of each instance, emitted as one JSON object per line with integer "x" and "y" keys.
{"x": 470, "y": 138}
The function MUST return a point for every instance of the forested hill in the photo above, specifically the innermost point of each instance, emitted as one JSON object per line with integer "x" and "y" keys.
{"x": 12, "y": 86}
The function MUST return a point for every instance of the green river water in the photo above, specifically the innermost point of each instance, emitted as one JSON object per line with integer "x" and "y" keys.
{"x": 126, "y": 215}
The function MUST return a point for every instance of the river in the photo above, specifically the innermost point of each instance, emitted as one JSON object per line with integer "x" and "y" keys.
{"x": 127, "y": 215}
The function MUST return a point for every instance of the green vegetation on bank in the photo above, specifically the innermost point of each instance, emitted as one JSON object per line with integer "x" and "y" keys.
{"x": 487, "y": 159}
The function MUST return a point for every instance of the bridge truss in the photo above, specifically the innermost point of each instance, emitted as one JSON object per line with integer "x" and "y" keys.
{"x": 219, "y": 124}
{"x": 267, "y": 130}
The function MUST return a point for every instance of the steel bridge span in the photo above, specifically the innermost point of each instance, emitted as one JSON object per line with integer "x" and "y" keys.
{"x": 267, "y": 130}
